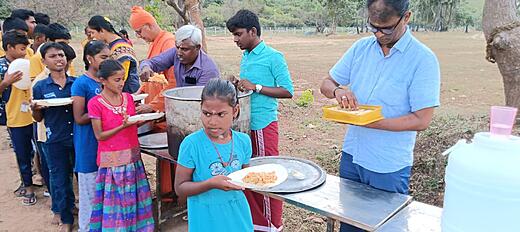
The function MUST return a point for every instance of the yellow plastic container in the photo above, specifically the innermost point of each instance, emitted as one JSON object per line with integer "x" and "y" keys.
{"x": 368, "y": 114}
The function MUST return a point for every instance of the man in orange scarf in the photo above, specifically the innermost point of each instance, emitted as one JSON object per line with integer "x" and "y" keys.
{"x": 146, "y": 28}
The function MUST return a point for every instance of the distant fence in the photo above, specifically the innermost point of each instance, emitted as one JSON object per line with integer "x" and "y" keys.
{"x": 215, "y": 31}
{"x": 218, "y": 31}
{"x": 306, "y": 31}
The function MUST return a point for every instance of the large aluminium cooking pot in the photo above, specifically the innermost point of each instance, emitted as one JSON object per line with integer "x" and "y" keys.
{"x": 183, "y": 113}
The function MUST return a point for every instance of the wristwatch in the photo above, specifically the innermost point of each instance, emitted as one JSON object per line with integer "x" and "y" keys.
{"x": 258, "y": 88}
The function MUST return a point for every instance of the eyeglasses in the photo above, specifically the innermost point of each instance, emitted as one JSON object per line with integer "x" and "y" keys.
{"x": 384, "y": 30}
{"x": 138, "y": 31}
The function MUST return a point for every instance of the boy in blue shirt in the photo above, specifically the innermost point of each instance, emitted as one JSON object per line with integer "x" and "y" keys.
{"x": 59, "y": 149}
{"x": 264, "y": 71}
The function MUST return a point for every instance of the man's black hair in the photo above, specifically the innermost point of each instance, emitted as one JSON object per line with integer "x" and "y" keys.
{"x": 244, "y": 19}
{"x": 42, "y": 18}
{"x": 46, "y": 46}
{"x": 14, "y": 38}
{"x": 70, "y": 54}
{"x": 14, "y": 24}
{"x": 41, "y": 29}
{"x": 58, "y": 31}
{"x": 22, "y": 14}
{"x": 399, "y": 7}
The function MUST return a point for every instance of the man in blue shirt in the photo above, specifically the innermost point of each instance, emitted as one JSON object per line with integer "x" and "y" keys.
{"x": 264, "y": 71}
{"x": 394, "y": 70}
{"x": 59, "y": 149}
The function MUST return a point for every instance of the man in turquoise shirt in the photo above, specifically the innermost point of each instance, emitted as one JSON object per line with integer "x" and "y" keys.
{"x": 263, "y": 70}
{"x": 394, "y": 70}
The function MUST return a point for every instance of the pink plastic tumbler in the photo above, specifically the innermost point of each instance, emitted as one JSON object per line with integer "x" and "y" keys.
{"x": 502, "y": 120}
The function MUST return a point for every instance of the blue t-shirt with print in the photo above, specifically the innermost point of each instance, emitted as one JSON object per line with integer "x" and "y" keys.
{"x": 85, "y": 143}
{"x": 216, "y": 210}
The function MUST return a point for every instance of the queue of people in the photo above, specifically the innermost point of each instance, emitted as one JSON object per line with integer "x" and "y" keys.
{"x": 94, "y": 138}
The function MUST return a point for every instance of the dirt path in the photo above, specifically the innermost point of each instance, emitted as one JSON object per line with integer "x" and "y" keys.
{"x": 16, "y": 217}
{"x": 13, "y": 215}
{"x": 469, "y": 86}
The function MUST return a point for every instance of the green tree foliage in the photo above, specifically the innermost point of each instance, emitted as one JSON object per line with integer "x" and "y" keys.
{"x": 286, "y": 13}
{"x": 431, "y": 14}
{"x": 439, "y": 15}
{"x": 5, "y": 11}
{"x": 161, "y": 12}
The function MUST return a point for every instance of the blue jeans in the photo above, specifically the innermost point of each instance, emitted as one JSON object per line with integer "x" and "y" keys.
{"x": 21, "y": 138}
{"x": 43, "y": 163}
{"x": 59, "y": 158}
{"x": 42, "y": 149}
{"x": 396, "y": 182}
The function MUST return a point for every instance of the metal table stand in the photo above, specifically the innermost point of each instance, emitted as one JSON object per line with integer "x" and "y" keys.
{"x": 163, "y": 213}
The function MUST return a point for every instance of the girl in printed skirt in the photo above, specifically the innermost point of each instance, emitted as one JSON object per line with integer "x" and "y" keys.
{"x": 122, "y": 200}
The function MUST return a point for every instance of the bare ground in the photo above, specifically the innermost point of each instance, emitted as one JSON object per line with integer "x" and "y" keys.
{"x": 470, "y": 85}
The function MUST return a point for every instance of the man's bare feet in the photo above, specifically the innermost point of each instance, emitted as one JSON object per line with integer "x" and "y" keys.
{"x": 55, "y": 219}
{"x": 65, "y": 228}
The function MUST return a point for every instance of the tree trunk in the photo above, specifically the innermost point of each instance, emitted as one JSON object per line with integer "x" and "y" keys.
{"x": 333, "y": 25}
{"x": 189, "y": 13}
{"x": 182, "y": 18}
{"x": 193, "y": 8}
{"x": 501, "y": 26}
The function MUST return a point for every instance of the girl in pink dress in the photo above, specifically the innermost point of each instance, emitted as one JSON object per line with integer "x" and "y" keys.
{"x": 123, "y": 199}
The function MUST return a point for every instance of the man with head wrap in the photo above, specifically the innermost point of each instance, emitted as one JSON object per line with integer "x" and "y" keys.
{"x": 146, "y": 28}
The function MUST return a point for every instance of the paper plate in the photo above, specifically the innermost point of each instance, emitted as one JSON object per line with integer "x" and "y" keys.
{"x": 54, "y": 102}
{"x": 145, "y": 117}
{"x": 280, "y": 171}
{"x": 23, "y": 66}
{"x": 139, "y": 97}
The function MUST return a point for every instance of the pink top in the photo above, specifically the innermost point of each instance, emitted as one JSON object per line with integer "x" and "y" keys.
{"x": 123, "y": 147}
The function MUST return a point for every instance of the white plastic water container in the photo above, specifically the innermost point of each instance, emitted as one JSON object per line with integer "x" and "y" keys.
{"x": 482, "y": 190}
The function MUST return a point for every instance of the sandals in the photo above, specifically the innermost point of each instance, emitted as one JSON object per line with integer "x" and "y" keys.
{"x": 20, "y": 191}
{"x": 29, "y": 199}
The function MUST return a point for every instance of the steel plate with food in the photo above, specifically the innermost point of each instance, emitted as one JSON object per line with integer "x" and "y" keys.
{"x": 260, "y": 177}
{"x": 302, "y": 174}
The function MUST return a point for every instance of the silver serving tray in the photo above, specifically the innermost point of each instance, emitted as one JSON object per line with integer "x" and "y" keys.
{"x": 313, "y": 175}
{"x": 154, "y": 141}
{"x": 145, "y": 128}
